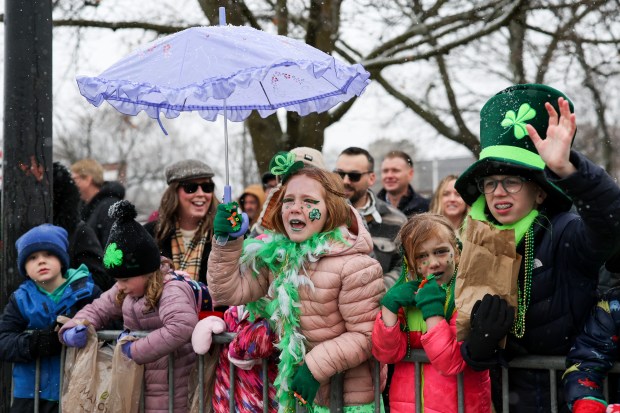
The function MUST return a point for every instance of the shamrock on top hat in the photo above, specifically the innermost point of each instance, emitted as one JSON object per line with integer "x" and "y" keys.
{"x": 130, "y": 251}
{"x": 506, "y": 148}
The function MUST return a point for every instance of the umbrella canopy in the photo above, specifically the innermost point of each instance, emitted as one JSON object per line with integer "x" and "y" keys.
{"x": 207, "y": 69}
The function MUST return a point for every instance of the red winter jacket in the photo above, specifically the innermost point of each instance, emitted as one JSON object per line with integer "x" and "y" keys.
{"x": 389, "y": 345}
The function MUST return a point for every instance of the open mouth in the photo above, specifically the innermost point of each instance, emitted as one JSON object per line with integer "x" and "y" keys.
{"x": 297, "y": 225}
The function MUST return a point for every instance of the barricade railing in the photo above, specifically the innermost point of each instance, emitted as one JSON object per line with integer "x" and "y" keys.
{"x": 551, "y": 363}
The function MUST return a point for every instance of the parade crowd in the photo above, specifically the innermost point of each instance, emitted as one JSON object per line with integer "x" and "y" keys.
{"x": 320, "y": 275}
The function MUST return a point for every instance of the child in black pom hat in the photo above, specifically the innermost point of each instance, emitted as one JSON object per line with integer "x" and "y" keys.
{"x": 526, "y": 179}
{"x": 130, "y": 250}
{"x": 148, "y": 298}
{"x": 51, "y": 289}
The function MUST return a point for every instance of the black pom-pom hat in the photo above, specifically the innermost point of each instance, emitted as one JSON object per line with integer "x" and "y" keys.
{"x": 130, "y": 250}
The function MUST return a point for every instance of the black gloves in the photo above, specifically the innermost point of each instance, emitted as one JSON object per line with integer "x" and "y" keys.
{"x": 44, "y": 343}
{"x": 491, "y": 319}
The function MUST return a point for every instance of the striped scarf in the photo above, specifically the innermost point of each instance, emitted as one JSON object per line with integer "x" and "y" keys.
{"x": 188, "y": 258}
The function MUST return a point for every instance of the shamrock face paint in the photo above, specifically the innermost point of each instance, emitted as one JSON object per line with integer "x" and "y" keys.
{"x": 435, "y": 256}
{"x": 303, "y": 206}
{"x": 315, "y": 215}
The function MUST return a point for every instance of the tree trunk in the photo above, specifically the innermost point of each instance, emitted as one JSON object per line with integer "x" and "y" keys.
{"x": 27, "y": 167}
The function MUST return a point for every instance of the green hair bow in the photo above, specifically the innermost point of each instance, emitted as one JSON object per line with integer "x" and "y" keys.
{"x": 283, "y": 164}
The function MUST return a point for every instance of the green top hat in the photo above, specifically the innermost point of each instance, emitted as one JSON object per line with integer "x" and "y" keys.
{"x": 506, "y": 146}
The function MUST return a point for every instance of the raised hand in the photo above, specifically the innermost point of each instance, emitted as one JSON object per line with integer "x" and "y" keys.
{"x": 431, "y": 298}
{"x": 229, "y": 221}
{"x": 555, "y": 148}
{"x": 402, "y": 295}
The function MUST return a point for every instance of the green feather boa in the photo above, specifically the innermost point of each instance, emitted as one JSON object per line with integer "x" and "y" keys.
{"x": 285, "y": 259}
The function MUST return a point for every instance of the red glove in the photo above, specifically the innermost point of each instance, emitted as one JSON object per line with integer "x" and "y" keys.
{"x": 588, "y": 406}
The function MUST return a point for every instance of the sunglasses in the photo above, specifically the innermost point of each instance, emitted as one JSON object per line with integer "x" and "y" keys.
{"x": 191, "y": 187}
{"x": 353, "y": 176}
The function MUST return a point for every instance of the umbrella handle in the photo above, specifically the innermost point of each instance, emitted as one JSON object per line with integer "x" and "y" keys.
{"x": 227, "y": 194}
{"x": 245, "y": 220}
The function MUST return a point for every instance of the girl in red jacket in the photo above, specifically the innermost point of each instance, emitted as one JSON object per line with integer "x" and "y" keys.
{"x": 419, "y": 312}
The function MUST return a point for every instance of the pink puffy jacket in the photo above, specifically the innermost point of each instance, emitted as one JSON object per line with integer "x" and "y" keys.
{"x": 336, "y": 318}
{"x": 439, "y": 393}
{"x": 171, "y": 324}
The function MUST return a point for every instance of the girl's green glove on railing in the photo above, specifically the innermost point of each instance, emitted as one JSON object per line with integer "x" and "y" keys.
{"x": 401, "y": 295}
{"x": 430, "y": 298}
{"x": 305, "y": 385}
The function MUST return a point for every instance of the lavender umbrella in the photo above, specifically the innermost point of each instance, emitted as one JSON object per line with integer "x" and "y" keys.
{"x": 225, "y": 70}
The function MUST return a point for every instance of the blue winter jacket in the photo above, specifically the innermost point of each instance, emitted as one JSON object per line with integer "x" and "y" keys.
{"x": 594, "y": 351}
{"x": 30, "y": 309}
{"x": 569, "y": 249}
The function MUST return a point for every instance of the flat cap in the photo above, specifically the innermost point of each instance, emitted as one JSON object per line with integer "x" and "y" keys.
{"x": 187, "y": 169}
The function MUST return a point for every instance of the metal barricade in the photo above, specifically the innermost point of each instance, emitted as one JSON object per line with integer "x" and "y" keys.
{"x": 551, "y": 363}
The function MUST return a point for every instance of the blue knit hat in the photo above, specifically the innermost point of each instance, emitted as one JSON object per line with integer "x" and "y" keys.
{"x": 45, "y": 237}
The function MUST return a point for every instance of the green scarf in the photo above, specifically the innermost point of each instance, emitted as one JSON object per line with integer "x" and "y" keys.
{"x": 478, "y": 211}
{"x": 285, "y": 259}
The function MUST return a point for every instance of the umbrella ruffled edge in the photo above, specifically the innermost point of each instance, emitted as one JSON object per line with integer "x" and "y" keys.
{"x": 125, "y": 96}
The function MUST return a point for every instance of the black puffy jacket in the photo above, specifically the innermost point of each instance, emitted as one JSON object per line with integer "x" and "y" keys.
{"x": 569, "y": 249}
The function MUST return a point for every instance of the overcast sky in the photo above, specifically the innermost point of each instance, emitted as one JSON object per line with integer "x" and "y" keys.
{"x": 374, "y": 115}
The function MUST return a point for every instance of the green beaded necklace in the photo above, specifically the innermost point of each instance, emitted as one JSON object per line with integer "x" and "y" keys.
{"x": 523, "y": 296}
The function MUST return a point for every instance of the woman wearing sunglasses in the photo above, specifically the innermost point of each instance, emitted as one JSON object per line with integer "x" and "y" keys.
{"x": 185, "y": 224}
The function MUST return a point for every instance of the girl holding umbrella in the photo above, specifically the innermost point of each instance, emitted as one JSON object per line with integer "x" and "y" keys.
{"x": 313, "y": 279}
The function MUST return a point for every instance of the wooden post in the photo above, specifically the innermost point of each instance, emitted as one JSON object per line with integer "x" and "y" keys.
{"x": 27, "y": 163}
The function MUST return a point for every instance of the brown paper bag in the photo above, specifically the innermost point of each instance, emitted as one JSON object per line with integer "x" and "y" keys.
{"x": 489, "y": 264}
{"x": 87, "y": 375}
{"x": 126, "y": 383}
{"x": 98, "y": 378}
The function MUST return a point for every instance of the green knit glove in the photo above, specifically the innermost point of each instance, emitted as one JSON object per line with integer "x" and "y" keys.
{"x": 401, "y": 295}
{"x": 431, "y": 298}
{"x": 305, "y": 385}
{"x": 227, "y": 220}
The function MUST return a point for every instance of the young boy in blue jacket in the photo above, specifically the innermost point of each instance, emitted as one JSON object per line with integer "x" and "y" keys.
{"x": 27, "y": 325}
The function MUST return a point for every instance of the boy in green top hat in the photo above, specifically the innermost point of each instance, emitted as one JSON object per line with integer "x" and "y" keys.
{"x": 527, "y": 178}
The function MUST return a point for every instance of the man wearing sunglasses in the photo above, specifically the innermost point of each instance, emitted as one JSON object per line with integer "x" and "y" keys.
{"x": 355, "y": 167}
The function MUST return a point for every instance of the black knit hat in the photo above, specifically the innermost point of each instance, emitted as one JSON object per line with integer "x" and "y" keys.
{"x": 130, "y": 250}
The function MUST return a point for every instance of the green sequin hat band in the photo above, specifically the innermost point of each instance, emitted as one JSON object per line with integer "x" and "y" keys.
{"x": 506, "y": 148}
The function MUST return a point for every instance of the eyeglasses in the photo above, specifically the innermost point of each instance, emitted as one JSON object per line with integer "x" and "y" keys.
{"x": 511, "y": 184}
{"x": 191, "y": 187}
{"x": 353, "y": 176}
